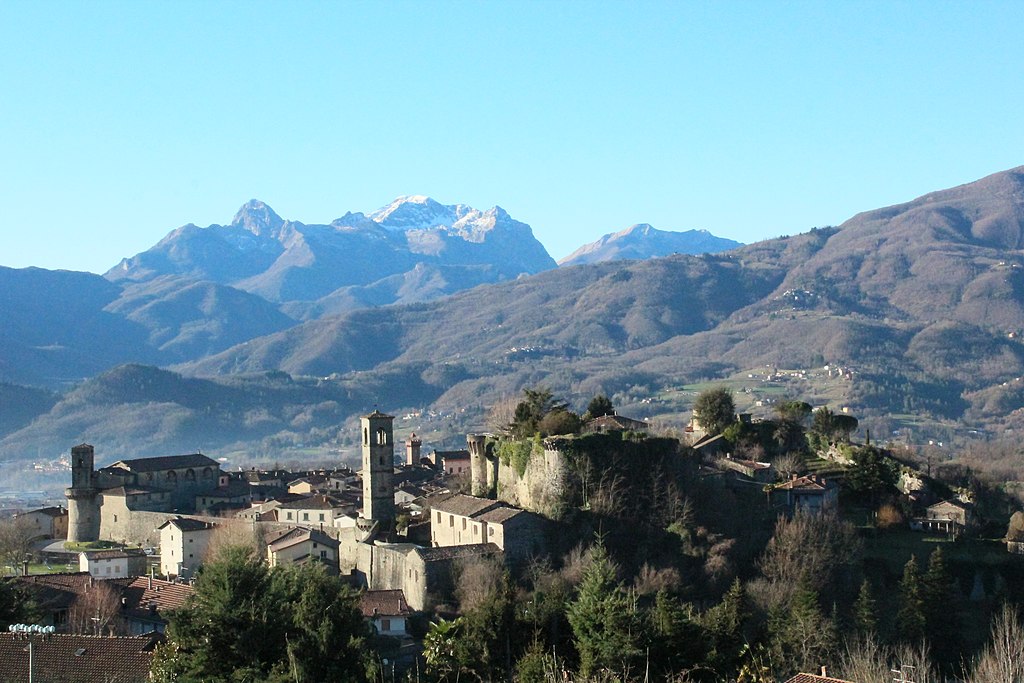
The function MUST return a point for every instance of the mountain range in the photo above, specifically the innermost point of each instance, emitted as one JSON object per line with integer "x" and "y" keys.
{"x": 922, "y": 303}
{"x": 642, "y": 241}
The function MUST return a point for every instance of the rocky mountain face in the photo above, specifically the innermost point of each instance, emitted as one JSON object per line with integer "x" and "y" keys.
{"x": 923, "y": 300}
{"x": 643, "y": 241}
{"x": 414, "y": 249}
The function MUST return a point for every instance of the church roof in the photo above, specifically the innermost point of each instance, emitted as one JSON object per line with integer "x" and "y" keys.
{"x": 167, "y": 462}
{"x": 376, "y": 414}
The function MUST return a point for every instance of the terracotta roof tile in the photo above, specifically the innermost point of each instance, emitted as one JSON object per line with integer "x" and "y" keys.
{"x": 78, "y": 659}
{"x": 384, "y": 603}
{"x": 168, "y": 462}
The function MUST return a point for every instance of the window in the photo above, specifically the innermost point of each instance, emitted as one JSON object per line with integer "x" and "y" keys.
{"x": 321, "y": 516}
{"x": 190, "y": 556}
{"x": 451, "y": 520}
{"x": 463, "y": 523}
{"x": 305, "y": 516}
{"x": 289, "y": 515}
{"x": 191, "y": 539}
{"x": 385, "y": 624}
{"x": 115, "y": 518}
{"x": 323, "y": 554}
{"x": 490, "y": 532}
{"x": 438, "y": 516}
{"x": 476, "y": 530}
{"x": 314, "y": 544}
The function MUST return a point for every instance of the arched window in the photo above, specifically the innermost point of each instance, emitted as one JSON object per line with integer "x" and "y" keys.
{"x": 366, "y": 436}
{"x": 172, "y": 476}
{"x": 190, "y": 475}
{"x": 207, "y": 473}
{"x": 382, "y": 437}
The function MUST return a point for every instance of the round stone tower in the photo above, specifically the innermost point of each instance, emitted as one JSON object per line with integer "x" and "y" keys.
{"x": 83, "y": 497}
{"x": 378, "y": 467}
{"x": 477, "y": 464}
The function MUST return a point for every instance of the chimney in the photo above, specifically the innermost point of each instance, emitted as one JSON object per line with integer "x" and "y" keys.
{"x": 824, "y": 673}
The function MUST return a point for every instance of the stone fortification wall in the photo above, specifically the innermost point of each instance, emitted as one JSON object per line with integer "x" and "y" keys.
{"x": 543, "y": 486}
{"x": 138, "y": 526}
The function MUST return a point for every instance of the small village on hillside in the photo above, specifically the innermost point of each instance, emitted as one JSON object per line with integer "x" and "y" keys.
{"x": 423, "y": 537}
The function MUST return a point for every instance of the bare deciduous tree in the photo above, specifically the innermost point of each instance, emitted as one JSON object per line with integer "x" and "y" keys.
{"x": 477, "y": 579}
{"x": 808, "y": 548}
{"x": 97, "y": 611}
{"x": 15, "y": 541}
{"x": 501, "y": 414}
{"x": 867, "y": 661}
{"x": 1002, "y": 661}
{"x": 231, "y": 534}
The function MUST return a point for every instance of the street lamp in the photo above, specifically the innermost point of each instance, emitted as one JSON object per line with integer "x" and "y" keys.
{"x": 30, "y": 631}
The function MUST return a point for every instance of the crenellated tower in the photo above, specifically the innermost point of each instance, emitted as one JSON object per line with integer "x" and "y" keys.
{"x": 83, "y": 496}
{"x": 378, "y": 467}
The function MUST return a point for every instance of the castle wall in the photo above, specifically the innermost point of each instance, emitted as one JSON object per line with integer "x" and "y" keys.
{"x": 541, "y": 488}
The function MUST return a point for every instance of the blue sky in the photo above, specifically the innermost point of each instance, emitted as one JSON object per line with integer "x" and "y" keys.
{"x": 122, "y": 121}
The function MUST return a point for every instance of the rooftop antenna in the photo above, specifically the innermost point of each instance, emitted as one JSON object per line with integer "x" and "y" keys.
{"x": 903, "y": 674}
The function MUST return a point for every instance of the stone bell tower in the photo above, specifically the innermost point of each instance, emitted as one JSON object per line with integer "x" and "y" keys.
{"x": 83, "y": 496}
{"x": 378, "y": 467}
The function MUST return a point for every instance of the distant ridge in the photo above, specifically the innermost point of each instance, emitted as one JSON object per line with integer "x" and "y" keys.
{"x": 642, "y": 241}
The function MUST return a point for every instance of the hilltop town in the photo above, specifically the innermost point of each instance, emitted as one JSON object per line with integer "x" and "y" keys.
{"x": 711, "y": 521}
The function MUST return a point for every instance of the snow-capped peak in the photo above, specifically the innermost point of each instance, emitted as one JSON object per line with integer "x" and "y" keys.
{"x": 257, "y": 218}
{"x": 411, "y": 212}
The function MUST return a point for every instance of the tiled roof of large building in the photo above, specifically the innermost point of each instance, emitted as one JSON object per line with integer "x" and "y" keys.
{"x": 316, "y": 501}
{"x": 142, "y": 595}
{"x": 615, "y": 422}
{"x": 166, "y": 462}
{"x": 114, "y": 554}
{"x": 500, "y": 515}
{"x": 384, "y": 604}
{"x": 78, "y": 659}
{"x": 454, "y": 552}
{"x": 301, "y": 535}
{"x": 142, "y": 598}
{"x": 466, "y": 506}
{"x": 50, "y": 511}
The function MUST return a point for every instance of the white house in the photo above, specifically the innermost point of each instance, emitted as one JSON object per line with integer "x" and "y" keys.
{"x": 387, "y": 611}
{"x": 183, "y": 544}
{"x": 113, "y": 564}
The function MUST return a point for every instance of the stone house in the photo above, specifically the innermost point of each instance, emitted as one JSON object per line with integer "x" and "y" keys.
{"x": 48, "y": 522}
{"x": 452, "y": 463}
{"x": 465, "y": 520}
{"x": 230, "y": 495}
{"x": 300, "y": 545}
{"x": 809, "y": 493}
{"x": 615, "y": 423}
{"x": 948, "y": 517}
{"x": 113, "y": 564}
{"x": 387, "y": 611}
{"x": 183, "y": 545}
{"x": 751, "y": 469}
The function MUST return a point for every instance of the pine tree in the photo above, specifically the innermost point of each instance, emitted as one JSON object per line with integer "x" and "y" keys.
{"x": 604, "y": 620}
{"x": 865, "y": 615}
{"x": 940, "y": 596}
{"x": 910, "y": 620}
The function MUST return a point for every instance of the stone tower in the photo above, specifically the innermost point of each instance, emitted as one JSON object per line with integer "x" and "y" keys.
{"x": 412, "y": 450}
{"x": 483, "y": 467}
{"x": 378, "y": 467}
{"x": 83, "y": 497}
